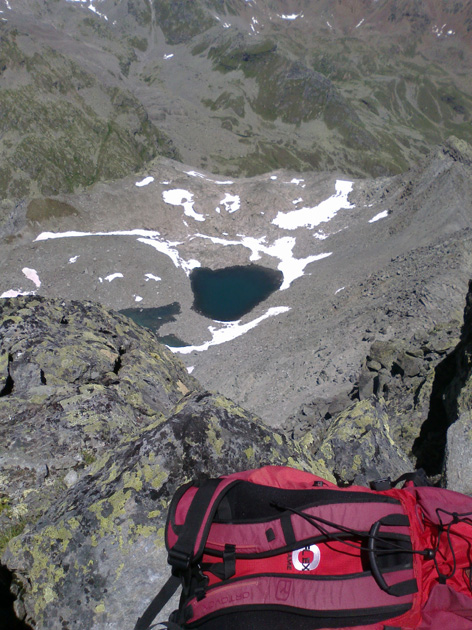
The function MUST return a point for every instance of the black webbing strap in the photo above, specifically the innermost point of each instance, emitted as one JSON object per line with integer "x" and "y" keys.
{"x": 226, "y": 569}
{"x": 158, "y": 603}
{"x": 418, "y": 477}
{"x": 407, "y": 587}
{"x": 182, "y": 553}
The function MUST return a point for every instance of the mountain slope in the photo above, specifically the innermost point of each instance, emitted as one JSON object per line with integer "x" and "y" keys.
{"x": 239, "y": 88}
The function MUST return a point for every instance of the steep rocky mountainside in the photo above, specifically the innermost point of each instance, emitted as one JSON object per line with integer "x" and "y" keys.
{"x": 329, "y": 143}
{"x": 99, "y": 425}
{"x": 93, "y": 91}
{"x": 97, "y": 436}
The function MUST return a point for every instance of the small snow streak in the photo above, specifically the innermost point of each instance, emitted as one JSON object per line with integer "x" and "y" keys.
{"x": 113, "y": 276}
{"x": 230, "y": 331}
{"x": 150, "y": 276}
{"x": 293, "y": 16}
{"x": 379, "y": 216}
{"x": 32, "y": 275}
{"x": 145, "y": 181}
{"x": 208, "y": 179}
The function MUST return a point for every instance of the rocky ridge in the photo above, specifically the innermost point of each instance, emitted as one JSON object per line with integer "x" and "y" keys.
{"x": 100, "y": 424}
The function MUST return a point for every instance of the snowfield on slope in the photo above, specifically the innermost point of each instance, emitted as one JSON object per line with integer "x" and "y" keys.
{"x": 279, "y": 243}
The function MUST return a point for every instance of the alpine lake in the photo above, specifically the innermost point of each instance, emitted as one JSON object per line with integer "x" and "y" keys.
{"x": 223, "y": 295}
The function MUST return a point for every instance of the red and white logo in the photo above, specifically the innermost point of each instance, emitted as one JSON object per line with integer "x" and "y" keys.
{"x": 306, "y": 559}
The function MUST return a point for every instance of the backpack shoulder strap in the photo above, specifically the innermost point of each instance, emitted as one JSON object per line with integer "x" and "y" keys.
{"x": 192, "y": 534}
{"x": 158, "y": 603}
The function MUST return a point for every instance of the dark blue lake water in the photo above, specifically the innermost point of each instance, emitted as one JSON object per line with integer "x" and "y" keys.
{"x": 228, "y": 294}
{"x": 154, "y": 318}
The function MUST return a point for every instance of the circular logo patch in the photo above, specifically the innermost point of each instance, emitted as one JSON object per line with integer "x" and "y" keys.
{"x": 306, "y": 559}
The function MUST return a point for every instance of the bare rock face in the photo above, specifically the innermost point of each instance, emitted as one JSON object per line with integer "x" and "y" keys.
{"x": 100, "y": 424}
{"x": 75, "y": 381}
{"x": 358, "y": 447}
{"x": 458, "y": 404}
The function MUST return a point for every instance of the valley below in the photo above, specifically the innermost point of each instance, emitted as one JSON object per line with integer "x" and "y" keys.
{"x": 312, "y": 159}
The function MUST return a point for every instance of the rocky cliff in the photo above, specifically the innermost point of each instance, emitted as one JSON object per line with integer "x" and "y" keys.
{"x": 100, "y": 424}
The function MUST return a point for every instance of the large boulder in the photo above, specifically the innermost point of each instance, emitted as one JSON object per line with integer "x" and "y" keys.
{"x": 99, "y": 425}
{"x": 358, "y": 448}
{"x": 97, "y": 557}
{"x": 75, "y": 380}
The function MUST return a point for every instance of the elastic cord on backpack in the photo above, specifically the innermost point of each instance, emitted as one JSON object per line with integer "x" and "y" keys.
{"x": 455, "y": 518}
{"x": 318, "y": 522}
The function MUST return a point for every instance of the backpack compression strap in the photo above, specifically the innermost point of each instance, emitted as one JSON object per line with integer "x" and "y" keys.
{"x": 181, "y": 555}
{"x": 194, "y": 531}
{"x": 158, "y": 603}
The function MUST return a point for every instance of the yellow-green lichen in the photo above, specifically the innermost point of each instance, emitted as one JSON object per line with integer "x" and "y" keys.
{"x": 213, "y": 433}
{"x": 249, "y": 452}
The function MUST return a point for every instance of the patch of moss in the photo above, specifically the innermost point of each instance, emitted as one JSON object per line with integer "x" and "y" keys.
{"x": 11, "y": 532}
{"x": 141, "y": 43}
{"x": 43, "y": 209}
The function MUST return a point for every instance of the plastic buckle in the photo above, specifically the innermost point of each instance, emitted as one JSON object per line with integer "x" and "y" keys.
{"x": 179, "y": 559}
{"x": 381, "y": 484}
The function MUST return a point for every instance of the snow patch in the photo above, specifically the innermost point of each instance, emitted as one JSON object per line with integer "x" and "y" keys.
{"x": 32, "y": 275}
{"x": 138, "y": 298}
{"x": 150, "y": 276}
{"x": 230, "y": 331}
{"x": 293, "y": 16}
{"x": 180, "y": 197}
{"x": 323, "y": 212}
{"x": 208, "y": 179}
{"x": 379, "y": 216}
{"x": 12, "y": 293}
{"x": 145, "y": 181}
{"x": 113, "y": 276}
{"x": 231, "y": 203}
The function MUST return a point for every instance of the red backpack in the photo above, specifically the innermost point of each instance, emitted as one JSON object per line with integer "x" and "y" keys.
{"x": 281, "y": 549}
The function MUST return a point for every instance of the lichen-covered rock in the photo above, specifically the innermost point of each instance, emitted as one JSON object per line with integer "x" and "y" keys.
{"x": 409, "y": 376}
{"x": 458, "y": 410}
{"x": 358, "y": 447}
{"x": 458, "y": 467}
{"x": 97, "y": 557}
{"x": 75, "y": 380}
